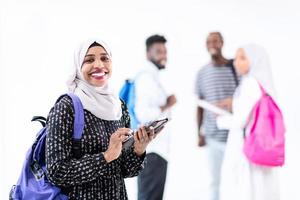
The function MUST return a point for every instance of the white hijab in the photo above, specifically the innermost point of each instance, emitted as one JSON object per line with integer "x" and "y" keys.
{"x": 260, "y": 67}
{"x": 100, "y": 101}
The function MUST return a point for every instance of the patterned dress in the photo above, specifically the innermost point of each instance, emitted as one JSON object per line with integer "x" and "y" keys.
{"x": 90, "y": 176}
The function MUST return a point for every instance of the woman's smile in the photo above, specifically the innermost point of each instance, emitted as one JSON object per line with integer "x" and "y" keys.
{"x": 99, "y": 74}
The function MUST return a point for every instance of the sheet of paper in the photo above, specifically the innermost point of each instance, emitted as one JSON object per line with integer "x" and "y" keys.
{"x": 208, "y": 106}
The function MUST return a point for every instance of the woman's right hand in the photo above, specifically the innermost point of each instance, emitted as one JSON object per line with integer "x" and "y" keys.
{"x": 115, "y": 144}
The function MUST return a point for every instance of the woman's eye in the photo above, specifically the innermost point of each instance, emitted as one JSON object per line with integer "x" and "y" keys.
{"x": 105, "y": 59}
{"x": 89, "y": 60}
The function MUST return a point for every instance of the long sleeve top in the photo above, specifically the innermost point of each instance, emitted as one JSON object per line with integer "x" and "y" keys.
{"x": 90, "y": 176}
{"x": 244, "y": 99}
{"x": 241, "y": 179}
{"x": 150, "y": 96}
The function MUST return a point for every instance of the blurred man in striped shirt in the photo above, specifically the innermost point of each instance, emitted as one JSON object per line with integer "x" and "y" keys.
{"x": 215, "y": 83}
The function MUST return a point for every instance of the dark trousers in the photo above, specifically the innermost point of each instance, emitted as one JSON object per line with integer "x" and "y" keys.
{"x": 151, "y": 181}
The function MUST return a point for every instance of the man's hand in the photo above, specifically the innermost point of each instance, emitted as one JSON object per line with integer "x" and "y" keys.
{"x": 171, "y": 101}
{"x": 225, "y": 104}
{"x": 201, "y": 140}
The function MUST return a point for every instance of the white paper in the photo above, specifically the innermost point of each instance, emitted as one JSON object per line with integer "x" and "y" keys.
{"x": 215, "y": 109}
{"x": 224, "y": 122}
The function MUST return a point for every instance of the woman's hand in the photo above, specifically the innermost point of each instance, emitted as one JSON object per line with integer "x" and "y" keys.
{"x": 142, "y": 139}
{"x": 115, "y": 144}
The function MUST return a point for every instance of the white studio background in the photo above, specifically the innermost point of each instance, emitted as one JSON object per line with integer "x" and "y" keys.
{"x": 37, "y": 39}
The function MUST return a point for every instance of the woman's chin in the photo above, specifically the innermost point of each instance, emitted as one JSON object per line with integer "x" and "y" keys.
{"x": 99, "y": 83}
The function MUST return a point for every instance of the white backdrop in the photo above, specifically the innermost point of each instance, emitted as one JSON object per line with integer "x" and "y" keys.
{"x": 37, "y": 39}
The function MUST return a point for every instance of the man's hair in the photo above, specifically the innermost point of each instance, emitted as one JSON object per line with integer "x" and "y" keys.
{"x": 217, "y": 33}
{"x": 155, "y": 39}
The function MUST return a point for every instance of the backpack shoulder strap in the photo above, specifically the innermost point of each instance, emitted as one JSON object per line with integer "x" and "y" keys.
{"x": 230, "y": 64}
{"x": 78, "y": 114}
{"x": 263, "y": 91}
{"x": 78, "y": 123}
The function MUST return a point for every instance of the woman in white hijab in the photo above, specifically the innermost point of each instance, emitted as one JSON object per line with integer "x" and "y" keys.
{"x": 242, "y": 180}
{"x": 100, "y": 171}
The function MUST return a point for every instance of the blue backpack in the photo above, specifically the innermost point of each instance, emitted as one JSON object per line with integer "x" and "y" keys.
{"x": 127, "y": 94}
{"x": 33, "y": 182}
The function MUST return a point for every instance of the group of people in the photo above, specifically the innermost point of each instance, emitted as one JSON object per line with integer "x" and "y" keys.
{"x": 233, "y": 85}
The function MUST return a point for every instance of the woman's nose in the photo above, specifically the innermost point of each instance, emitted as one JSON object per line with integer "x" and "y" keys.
{"x": 99, "y": 63}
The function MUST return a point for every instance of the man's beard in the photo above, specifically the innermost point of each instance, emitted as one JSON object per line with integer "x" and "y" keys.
{"x": 214, "y": 56}
{"x": 159, "y": 66}
{"x": 214, "y": 53}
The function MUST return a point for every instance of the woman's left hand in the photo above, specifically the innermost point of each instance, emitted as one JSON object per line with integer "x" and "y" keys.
{"x": 142, "y": 139}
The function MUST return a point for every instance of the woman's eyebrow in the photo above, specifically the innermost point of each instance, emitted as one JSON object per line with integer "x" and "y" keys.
{"x": 101, "y": 54}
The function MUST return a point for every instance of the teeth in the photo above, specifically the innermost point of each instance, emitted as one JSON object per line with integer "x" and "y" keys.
{"x": 98, "y": 74}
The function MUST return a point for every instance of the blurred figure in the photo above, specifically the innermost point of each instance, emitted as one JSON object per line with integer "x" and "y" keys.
{"x": 215, "y": 83}
{"x": 153, "y": 102}
{"x": 242, "y": 180}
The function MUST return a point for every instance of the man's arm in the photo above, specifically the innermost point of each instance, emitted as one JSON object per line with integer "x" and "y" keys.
{"x": 200, "y": 111}
{"x": 225, "y": 104}
{"x": 201, "y": 138}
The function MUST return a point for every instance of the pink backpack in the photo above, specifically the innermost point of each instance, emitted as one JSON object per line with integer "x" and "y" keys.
{"x": 265, "y": 143}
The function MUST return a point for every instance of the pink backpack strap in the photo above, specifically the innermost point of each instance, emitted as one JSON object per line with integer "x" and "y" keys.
{"x": 263, "y": 91}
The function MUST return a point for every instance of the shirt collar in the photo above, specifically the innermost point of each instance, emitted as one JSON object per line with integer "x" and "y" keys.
{"x": 152, "y": 68}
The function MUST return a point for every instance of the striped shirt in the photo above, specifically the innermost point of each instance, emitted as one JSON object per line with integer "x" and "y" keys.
{"x": 214, "y": 83}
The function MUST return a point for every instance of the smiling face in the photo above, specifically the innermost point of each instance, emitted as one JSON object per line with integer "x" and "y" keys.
{"x": 214, "y": 44}
{"x": 97, "y": 66}
{"x": 241, "y": 62}
{"x": 157, "y": 54}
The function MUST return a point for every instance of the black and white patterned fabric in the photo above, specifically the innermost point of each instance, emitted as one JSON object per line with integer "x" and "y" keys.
{"x": 90, "y": 176}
